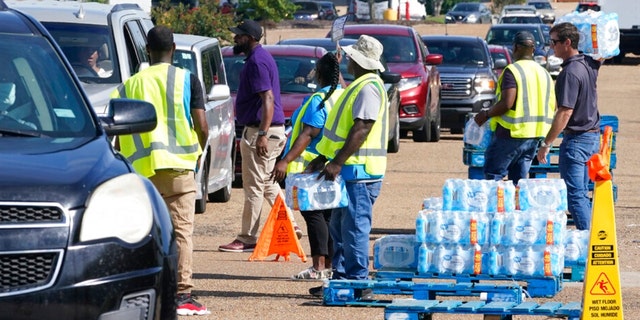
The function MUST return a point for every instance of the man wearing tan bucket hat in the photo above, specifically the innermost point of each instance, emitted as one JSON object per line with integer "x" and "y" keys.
{"x": 354, "y": 146}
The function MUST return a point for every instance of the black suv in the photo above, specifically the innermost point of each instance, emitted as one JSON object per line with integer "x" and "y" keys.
{"x": 466, "y": 76}
{"x": 82, "y": 236}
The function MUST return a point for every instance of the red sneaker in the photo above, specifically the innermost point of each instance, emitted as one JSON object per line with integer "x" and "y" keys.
{"x": 188, "y": 306}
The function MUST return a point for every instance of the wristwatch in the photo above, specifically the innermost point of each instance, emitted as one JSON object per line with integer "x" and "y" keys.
{"x": 544, "y": 144}
{"x": 261, "y": 133}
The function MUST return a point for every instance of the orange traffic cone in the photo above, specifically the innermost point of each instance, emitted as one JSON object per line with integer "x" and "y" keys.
{"x": 277, "y": 235}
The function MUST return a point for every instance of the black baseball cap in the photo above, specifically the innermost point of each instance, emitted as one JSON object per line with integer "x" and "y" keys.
{"x": 249, "y": 27}
{"x": 524, "y": 38}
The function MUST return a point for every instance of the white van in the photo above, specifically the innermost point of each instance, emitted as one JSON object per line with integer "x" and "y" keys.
{"x": 417, "y": 9}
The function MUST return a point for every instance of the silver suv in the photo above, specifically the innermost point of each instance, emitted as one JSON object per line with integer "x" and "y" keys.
{"x": 104, "y": 43}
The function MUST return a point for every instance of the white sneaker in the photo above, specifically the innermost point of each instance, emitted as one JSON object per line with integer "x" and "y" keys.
{"x": 312, "y": 274}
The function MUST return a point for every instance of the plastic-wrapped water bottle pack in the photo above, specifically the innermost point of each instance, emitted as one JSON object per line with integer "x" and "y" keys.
{"x": 530, "y": 261}
{"x": 576, "y": 246}
{"x": 533, "y": 227}
{"x": 599, "y": 32}
{"x": 304, "y": 191}
{"x": 478, "y": 195}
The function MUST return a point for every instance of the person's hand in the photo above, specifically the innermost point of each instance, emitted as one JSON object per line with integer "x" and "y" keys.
{"x": 339, "y": 54}
{"x": 261, "y": 146}
{"x": 481, "y": 117}
{"x": 330, "y": 172}
{"x": 299, "y": 80}
{"x": 279, "y": 170}
{"x": 542, "y": 154}
{"x": 316, "y": 164}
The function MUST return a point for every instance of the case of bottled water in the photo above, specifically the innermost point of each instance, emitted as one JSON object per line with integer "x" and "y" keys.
{"x": 599, "y": 32}
{"x": 533, "y": 227}
{"x": 542, "y": 194}
{"x": 396, "y": 251}
{"x": 304, "y": 191}
{"x": 576, "y": 246}
{"x": 477, "y": 136}
{"x": 503, "y": 197}
{"x": 432, "y": 203}
{"x": 466, "y": 195}
{"x": 525, "y": 261}
{"x": 456, "y": 227}
{"x": 454, "y": 259}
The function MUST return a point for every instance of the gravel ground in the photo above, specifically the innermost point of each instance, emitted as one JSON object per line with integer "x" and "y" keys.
{"x": 233, "y": 288}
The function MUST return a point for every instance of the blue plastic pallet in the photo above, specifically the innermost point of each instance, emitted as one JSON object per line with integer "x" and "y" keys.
{"x": 412, "y": 309}
{"x": 546, "y": 287}
{"x": 349, "y": 292}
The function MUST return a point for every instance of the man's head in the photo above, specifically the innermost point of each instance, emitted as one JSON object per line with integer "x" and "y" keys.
{"x": 365, "y": 53}
{"x": 160, "y": 44}
{"x": 564, "y": 39}
{"x": 523, "y": 45}
{"x": 247, "y": 34}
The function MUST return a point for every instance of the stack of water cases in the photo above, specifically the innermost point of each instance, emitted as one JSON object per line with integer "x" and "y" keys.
{"x": 486, "y": 227}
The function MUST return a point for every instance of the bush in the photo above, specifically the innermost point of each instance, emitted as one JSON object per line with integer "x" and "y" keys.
{"x": 205, "y": 20}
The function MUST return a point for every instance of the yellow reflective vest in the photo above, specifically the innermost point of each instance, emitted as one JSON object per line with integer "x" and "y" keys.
{"x": 300, "y": 163}
{"x": 173, "y": 144}
{"x": 373, "y": 152}
{"x": 535, "y": 101}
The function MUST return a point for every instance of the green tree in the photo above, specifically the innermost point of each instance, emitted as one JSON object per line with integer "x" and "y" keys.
{"x": 205, "y": 20}
{"x": 265, "y": 10}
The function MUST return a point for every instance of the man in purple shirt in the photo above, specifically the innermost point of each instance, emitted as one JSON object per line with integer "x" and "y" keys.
{"x": 259, "y": 110}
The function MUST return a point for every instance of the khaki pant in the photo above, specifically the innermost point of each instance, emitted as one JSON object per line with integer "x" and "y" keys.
{"x": 178, "y": 189}
{"x": 256, "y": 178}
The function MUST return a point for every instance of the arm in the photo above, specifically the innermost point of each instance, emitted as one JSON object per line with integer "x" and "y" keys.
{"x": 301, "y": 143}
{"x": 501, "y": 107}
{"x": 267, "y": 115}
{"x": 560, "y": 121}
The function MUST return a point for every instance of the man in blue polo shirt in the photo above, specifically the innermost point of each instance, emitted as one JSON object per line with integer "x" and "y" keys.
{"x": 259, "y": 110}
{"x": 577, "y": 118}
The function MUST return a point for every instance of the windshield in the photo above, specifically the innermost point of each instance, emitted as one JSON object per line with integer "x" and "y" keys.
{"x": 459, "y": 52}
{"x": 541, "y": 5}
{"x": 297, "y": 74}
{"x": 505, "y": 36}
{"x": 465, "y": 7}
{"x": 37, "y": 94}
{"x": 89, "y": 49}
{"x": 521, "y": 19}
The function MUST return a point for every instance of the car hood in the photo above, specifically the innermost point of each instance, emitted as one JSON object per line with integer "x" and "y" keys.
{"x": 407, "y": 69}
{"x": 461, "y": 69}
{"x": 460, "y": 13}
{"x": 291, "y": 102}
{"x": 61, "y": 170}
{"x": 99, "y": 94}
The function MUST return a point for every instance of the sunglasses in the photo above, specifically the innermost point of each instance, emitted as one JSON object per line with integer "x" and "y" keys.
{"x": 556, "y": 41}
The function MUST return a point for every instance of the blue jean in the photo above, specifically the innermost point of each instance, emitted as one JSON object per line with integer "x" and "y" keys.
{"x": 509, "y": 157}
{"x": 350, "y": 227}
{"x": 575, "y": 150}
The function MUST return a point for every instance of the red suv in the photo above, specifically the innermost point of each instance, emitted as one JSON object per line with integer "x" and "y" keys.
{"x": 294, "y": 65}
{"x": 419, "y": 86}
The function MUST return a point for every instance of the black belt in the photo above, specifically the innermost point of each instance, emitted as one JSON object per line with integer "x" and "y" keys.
{"x": 257, "y": 125}
{"x": 569, "y": 131}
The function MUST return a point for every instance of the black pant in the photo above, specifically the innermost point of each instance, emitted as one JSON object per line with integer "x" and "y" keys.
{"x": 318, "y": 231}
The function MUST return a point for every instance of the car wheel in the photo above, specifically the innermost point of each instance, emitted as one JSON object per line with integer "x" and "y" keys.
{"x": 435, "y": 127}
{"x": 394, "y": 144}
{"x": 201, "y": 204}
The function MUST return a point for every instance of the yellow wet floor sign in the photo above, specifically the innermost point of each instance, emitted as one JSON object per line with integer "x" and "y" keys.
{"x": 602, "y": 297}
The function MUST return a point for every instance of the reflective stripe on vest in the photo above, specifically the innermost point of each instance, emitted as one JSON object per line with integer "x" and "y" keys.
{"x": 372, "y": 153}
{"x": 534, "y": 109}
{"x": 177, "y": 146}
{"x": 300, "y": 163}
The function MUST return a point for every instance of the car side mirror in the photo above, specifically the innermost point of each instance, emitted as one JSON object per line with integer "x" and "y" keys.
{"x": 127, "y": 116}
{"x": 499, "y": 63}
{"x": 390, "y": 77}
{"x": 219, "y": 92}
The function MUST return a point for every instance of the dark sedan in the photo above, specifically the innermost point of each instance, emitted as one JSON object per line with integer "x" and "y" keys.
{"x": 82, "y": 235}
{"x": 468, "y": 12}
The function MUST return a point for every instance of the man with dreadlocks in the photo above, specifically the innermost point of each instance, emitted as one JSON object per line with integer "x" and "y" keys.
{"x": 308, "y": 121}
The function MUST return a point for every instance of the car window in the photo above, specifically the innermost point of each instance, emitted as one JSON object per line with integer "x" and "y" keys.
{"x": 37, "y": 94}
{"x": 521, "y": 19}
{"x": 89, "y": 48}
{"x": 233, "y": 65}
{"x": 136, "y": 41}
{"x": 212, "y": 67}
{"x": 459, "y": 52}
{"x": 541, "y": 5}
{"x": 505, "y": 36}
